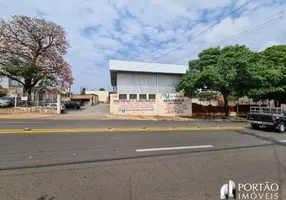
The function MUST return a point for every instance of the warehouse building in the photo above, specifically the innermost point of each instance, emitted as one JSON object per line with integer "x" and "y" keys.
{"x": 147, "y": 89}
{"x": 138, "y": 77}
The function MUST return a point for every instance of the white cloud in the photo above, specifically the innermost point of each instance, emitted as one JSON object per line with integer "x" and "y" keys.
{"x": 226, "y": 28}
{"x": 268, "y": 44}
{"x": 108, "y": 43}
{"x": 131, "y": 26}
{"x": 149, "y": 29}
{"x": 126, "y": 38}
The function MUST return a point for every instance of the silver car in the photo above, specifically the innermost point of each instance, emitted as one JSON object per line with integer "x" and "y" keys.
{"x": 6, "y": 101}
{"x": 54, "y": 106}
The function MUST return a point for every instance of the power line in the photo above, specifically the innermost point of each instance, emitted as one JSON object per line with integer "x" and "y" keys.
{"x": 201, "y": 33}
{"x": 258, "y": 26}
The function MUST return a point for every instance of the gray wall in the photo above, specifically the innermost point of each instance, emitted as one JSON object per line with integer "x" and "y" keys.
{"x": 4, "y": 82}
{"x": 13, "y": 83}
{"x": 9, "y": 83}
{"x": 146, "y": 83}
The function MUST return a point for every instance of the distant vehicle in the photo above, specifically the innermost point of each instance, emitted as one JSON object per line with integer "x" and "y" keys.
{"x": 73, "y": 105}
{"x": 7, "y": 101}
{"x": 54, "y": 106}
{"x": 273, "y": 118}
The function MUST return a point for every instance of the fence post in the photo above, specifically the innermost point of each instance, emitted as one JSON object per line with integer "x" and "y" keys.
{"x": 44, "y": 98}
{"x": 59, "y": 103}
{"x": 37, "y": 100}
{"x": 15, "y": 104}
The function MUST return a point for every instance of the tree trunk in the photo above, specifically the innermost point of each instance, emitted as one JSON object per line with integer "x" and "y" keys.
{"x": 226, "y": 110}
{"x": 275, "y": 103}
{"x": 28, "y": 91}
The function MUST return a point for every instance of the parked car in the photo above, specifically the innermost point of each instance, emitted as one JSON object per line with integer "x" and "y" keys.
{"x": 6, "y": 101}
{"x": 274, "y": 118}
{"x": 54, "y": 106}
{"x": 73, "y": 105}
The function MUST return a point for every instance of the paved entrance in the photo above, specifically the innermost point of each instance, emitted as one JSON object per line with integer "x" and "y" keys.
{"x": 100, "y": 110}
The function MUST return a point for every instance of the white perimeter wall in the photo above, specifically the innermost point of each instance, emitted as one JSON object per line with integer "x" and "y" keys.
{"x": 167, "y": 104}
{"x": 146, "y": 83}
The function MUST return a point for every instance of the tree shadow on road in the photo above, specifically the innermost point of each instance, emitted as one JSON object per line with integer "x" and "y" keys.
{"x": 261, "y": 137}
{"x": 46, "y": 198}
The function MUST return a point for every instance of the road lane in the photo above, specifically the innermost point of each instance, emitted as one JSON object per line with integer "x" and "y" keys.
{"x": 192, "y": 176}
{"x": 23, "y": 150}
{"x": 174, "y": 148}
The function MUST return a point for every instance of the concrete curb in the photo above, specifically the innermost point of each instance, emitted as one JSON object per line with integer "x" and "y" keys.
{"x": 139, "y": 129}
{"x": 58, "y": 117}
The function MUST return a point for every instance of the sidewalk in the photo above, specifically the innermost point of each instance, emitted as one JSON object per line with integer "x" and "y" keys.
{"x": 9, "y": 113}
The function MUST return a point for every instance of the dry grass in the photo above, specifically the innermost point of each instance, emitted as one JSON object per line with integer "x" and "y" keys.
{"x": 10, "y": 113}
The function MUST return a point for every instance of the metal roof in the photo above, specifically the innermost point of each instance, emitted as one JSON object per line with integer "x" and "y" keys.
{"x": 82, "y": 96}
{"x": 128, "y": 66}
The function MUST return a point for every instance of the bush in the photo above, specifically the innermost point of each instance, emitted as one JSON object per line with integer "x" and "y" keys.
{"x": 3, "y": 94}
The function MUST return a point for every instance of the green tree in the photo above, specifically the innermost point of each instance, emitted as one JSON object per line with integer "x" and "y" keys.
{"x": 69, "y": 93}
{"x": 222, "y": 70}
{"x": 269, "y": 75}
{"x": 82, "y": 92}
{"x": 3, "y": 94}
{"x": 207, "y": 95}
{"x": 101, "y": 89}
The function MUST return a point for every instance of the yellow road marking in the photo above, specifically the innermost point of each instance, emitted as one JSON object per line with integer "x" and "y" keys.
{"x": 86, "y": 130}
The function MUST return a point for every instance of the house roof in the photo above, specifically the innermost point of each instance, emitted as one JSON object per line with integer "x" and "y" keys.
{"x": 128, "y": 66}
{"x": 82, "y": 96}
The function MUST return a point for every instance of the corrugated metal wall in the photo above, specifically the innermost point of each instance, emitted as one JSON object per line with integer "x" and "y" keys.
{"x": 9, "y": 83}
{"x": 4, "y": 82}
{"x": 168, "y": 83}
{"x": 146, "y": 83}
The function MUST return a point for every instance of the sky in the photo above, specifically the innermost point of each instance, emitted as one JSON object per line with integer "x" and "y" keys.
{"x": 143, "y": 30}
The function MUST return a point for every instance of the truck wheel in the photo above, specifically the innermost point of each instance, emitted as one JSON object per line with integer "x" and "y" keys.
{"x": 255, "y": 126}
{"x": 281, "y": 127}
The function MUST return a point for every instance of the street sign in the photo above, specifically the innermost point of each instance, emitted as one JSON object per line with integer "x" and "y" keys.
{"x": 24, "y": 98}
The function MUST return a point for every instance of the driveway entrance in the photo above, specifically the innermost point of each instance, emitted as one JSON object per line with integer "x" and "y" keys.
{"x": 100, "y": 110}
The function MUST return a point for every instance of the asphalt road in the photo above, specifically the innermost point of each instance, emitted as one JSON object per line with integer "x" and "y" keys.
{"x": 138, "y": 165}
{"x": 57, "y": 124}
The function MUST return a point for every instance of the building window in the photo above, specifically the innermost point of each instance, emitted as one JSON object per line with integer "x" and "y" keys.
{"x": 122, "y": 96}
{"x": 142, "y": 96}
{"x": 15, "y": 83}
{"x": 152, "y": 96}
{"x": 132, "y": 96}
